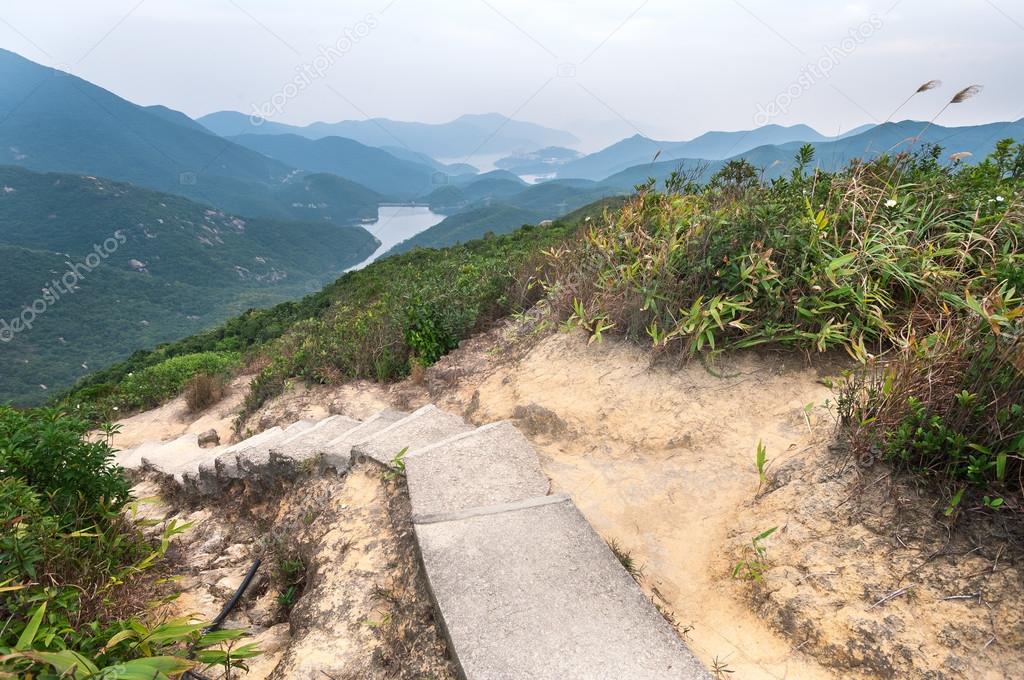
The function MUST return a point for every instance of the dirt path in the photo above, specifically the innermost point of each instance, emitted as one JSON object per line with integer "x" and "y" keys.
{"x": 661, "y": 461}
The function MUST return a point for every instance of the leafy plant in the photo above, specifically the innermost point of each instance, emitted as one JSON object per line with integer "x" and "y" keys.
{"x": 396, "y": 468}
{"x": 50, "y": 452}
{"x": 754, "y": 563}
{"x": 761, "y": 461}
{"x": 72, "y": 557}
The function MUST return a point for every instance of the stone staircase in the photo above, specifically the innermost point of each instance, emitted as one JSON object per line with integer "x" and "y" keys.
{"x": 522, "y": 584}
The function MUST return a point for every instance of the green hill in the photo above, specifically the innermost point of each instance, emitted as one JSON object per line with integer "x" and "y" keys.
{"x": 169, "y": 267}
{"x": 56, "y": 122}
{"x": 373, "y": 168}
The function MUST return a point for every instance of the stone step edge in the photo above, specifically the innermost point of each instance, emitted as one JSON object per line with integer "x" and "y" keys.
{"x": 415, "y": 415}
{"x": 484, "y": 510}
{"x": 459, "y": 437}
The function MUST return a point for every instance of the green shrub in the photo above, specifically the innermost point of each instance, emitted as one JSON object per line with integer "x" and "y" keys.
{"x": 26, "y": 530}
{"x": 49, "y": 452}
{"x": 156, "y": 384}
{"x": 949, "y": 406}
{"x": 69, "y": 559}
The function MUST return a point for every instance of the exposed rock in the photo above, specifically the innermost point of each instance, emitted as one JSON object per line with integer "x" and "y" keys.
{"x": 209, "y": 438}
{"x": 534, "y": 420}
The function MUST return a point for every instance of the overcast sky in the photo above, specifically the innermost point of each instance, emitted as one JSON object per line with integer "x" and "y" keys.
{"x": 669, "y": 69}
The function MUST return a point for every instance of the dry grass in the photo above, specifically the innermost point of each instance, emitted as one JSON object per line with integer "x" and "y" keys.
{"x": 203, "y": 391}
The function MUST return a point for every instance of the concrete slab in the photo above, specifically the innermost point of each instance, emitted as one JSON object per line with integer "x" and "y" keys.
{"x": 253, "y": 458}
{"x": 178, "y": 456}
{"x": 487, "y": 466}
{"x": 226, "y": 464}
{"x": 131, "y": 459}
{"x": 253, "y": 451}
{"x": 313, "y": 442}
{"x": 420, "y": 429}
{"x": 529, "y": 590}
{"x": 338, "y": 451}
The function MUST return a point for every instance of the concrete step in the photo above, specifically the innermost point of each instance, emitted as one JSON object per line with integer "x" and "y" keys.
{"x": 261, "y": 459}
{"x": 338, "y": 451}
{"x": 490, "y": 465}
{"x": 177, "y": 457}
{"x": 313, "y": 442}
{"x": 131, "y": 459}
{"x": 418, "y": 430}
{"x": 229, "y": 465}
{"x": 529, "y": 590}
{"x": 252, "y": 459}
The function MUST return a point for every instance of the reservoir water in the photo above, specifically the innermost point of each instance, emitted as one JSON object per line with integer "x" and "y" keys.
{"x": 396, "y": 223}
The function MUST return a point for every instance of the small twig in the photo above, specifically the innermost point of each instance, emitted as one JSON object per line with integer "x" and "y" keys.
{"x": 890, "y": 596}
{"x": 968, "y": 596}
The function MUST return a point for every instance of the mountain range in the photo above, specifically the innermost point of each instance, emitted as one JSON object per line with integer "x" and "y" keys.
{"x": 976, "y": 140}
{"x": 54, "y": 121}
{"x": 468, "y": 135}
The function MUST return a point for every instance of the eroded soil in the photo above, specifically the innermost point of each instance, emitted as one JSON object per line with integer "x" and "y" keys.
{"x": 864, "y": 577}
{"x": 359, "y": 608}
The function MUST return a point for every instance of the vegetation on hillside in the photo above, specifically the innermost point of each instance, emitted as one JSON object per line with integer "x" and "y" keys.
{"x": 169, "y": 268}
{"x": 374, "y": 323}
{"x": 912, "y": 266}
{"x": 76, "y": 573}
{"x": 499, "y": 212}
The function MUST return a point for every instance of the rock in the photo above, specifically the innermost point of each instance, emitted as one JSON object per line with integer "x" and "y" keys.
{"x": 535, "y": 419}
{"x": 213, "y": 543}
{"x": 264, "y": 611}
{"x": 273, "y": 642}
{"x": 209, "y": 439}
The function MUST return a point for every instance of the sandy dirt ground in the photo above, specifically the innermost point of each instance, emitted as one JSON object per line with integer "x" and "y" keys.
{"x": 361, "y": 608}
{"x": 861, "y": 578}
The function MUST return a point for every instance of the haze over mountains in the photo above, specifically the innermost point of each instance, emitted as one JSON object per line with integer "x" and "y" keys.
{"x": 467, "y": 135}
{"x": 225, "y": 212}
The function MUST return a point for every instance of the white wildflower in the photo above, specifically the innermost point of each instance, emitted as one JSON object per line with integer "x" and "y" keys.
{"x": 891, "y": 203}
{"x": 999, "y": 199}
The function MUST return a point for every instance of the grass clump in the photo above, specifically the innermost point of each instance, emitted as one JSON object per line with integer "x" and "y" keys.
{"x": 204, "y": 390}
{"x": 73, "y": 585}
{"x": 948, "y": 406}
{"x": 816, "y": 261}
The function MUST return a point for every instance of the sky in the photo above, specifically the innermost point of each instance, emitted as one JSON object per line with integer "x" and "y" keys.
{"x": 667, "y": 69}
